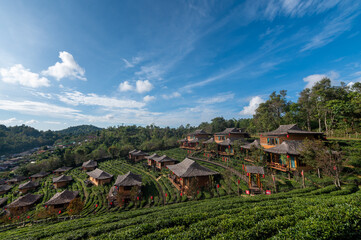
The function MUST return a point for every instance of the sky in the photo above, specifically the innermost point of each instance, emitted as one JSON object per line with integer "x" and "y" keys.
{"x": 168, "y": 63}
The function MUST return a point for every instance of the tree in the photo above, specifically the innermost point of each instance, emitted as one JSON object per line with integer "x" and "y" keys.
{"x": 75, "y": 206}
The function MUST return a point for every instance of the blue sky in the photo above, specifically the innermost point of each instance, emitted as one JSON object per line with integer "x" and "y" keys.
{"x": 107, "y": 63}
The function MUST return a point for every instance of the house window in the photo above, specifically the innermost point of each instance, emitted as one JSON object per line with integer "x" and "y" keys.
{"x": 127, "y": 188}
{"x": 272, "y": 141}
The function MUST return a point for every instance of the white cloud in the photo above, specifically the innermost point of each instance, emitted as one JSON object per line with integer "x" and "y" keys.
{"x": 143, "y": 86}
{"x": 77, "y": 98}
{"x": 148, "y": 98}
{"x": 10, "y": 121}
{"x": 253, "y": 105}
{"x": 217, "y": 99}
{"x": 150, "y": 72}
{"x": 173, "y": 95}
{"x": 67, "y": 68}
{"x": 52, "y": 122}
{"x": 131, "y": 64}
{"x": 313, "y": 79}
{"x": 31, "y": 122}
{"x": 125, "y": 86}
{"x": 17, "y": 74}
{"x": 127, "y": 63}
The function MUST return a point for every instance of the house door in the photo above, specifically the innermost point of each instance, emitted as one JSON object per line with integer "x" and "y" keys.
{"x": 293, "y": 162}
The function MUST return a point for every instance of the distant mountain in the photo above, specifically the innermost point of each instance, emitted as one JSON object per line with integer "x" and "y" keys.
{"x": 79, "y": 130}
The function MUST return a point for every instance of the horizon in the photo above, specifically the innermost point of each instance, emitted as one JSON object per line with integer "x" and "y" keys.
{"x": 65, "y": 64}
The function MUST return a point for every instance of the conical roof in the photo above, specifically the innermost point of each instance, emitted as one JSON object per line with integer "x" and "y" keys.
{"x": 128, "y": 179}
{"x": 189, "y": 168}
{"x": 99, "y": 174}
{"x": 63, "y": 197}
{"x": 62, "y": 178}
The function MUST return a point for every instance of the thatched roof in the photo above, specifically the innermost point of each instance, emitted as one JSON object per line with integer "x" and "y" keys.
{"x": 24, "y": 201}
{"x": 291, "y": 147}
{"x": 4, "y": 188}
{"x": 16, "y": 179}
{"x": 29, "y": 184}
{"x": 231, "y": 130}
{"x": 63, "y": 197}
{"x": 3, "y": 200}
{"x": 62, "y": 169}
{"x": 211, "y": 140}
{"x": 129, "y": 179}
{"x": 164, "y": 158}
{"x": 62, "y": 178}
{"x": 289, "y": 129}
{"x": 90, "y": 164}
{"x": 154, "y": 155}
{"x": 189, "y": 168}
{"x": 254, "y": 169}
{"x": 198, "y": 132}
{"x": 136, "y": 152}
{"x": 40, "y": 175}
{"x": 99, "y": 174}
{"x": 254, "y": 144}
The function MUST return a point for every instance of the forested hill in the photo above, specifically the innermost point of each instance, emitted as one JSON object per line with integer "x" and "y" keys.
{"x": 79, "y": 130}
{"x": 22, "y": 138}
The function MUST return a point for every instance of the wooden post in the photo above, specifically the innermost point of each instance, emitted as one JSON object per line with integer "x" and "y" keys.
{"x": 274, "y": 182}
{"x": 303, "y": 179}
{"x": 249, "y": 180}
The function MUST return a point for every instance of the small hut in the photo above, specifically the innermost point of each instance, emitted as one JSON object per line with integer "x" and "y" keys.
{"x": 164, "y": 161}
{"x": 23, "y": 203}
{"x": 150, "y": 158}
{"x": 3, "y": 201}
{"x": 257, "y": 171}
{"x": 61, "y": 181}
{"x": 4, "y": 189}
{"x": 89, "y": 165}
{"x": 39, "y": 176}
{"x": 249, "y": 147}
{"x": 16, "y": 180}
{"x": 28, "y": 186}
{"x": 137, "y": 155}
{"x": 61, "y": 170}
{"x": 99, "y": 177}
{"x": 61, "y": 200}
{"x": 188, "y": 172}
{"x": 124, "y": 185}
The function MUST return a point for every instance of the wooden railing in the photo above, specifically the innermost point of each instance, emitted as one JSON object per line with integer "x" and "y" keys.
{"x": 278, "y": 166}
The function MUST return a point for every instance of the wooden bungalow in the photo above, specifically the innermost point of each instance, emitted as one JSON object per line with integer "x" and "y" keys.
{"x": 150, "y": 159}
{"x": 99, "y": 177}
{"x": 89, "y": 165}
{"x": 188, "y": 172}
{"x": 61, "y": 170}
{"x": 125, "y": 186}
{"x": 257, "y": 172}
{"x": 193, "y": 140}
{"x": 39, "y": 176}
{"x": 285, "y": 156}
{"x": 4, "y": 189}
{"x": 3, "y": 201}
{"x": 247, "y": 148}
{"x": 61, "y": 200}
{"x": 22, "y": 204}
{"x": 164, "y": 161}
{"x": 28, "y": 186}
{"x": 137, "y": 155}
{"x": 16, "y": 180}
{"x": 232, "y": 133}
{"x": 286, "y": 133}
{"x": 61, "y": 181}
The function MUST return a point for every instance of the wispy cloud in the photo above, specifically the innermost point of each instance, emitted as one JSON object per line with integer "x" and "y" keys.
{"x": 17, "y": 74}
{"x": 172, "y": 95}
{"x": 220, "y": 98}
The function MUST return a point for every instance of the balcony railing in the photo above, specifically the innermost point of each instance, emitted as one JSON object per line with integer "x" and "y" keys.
{"x": 278, "y": 166}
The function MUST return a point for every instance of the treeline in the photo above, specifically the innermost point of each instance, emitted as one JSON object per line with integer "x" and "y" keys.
{"x": 335, "y": 110}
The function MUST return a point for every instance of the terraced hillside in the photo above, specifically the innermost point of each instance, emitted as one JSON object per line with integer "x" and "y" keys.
{"x": 309, "y": 213}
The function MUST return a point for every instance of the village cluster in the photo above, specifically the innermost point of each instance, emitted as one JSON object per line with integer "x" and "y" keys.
{"x": 281, "y": 147}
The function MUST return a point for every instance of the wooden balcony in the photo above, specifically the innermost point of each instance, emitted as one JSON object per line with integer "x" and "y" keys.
{"x": 248, "y": 159}
{"x": 225, "y": 153}
{"x": 278, "y": 166}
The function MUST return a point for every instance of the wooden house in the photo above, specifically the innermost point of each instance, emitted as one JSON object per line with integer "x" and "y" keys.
{"x": 28, "y": 186}
{"x": 189, "y": 173}
{"x": 286, "y": 156}
{"x": 257, "y": 172}
{"x": 164, "y": 161}
{"x": 89, "y": 165}
{"x": 3, "y": 201}
{"x": 16, "y": 180}
{"x": 150, "y": 159}
{"x": 4, "y": 189}
{"x": 226, "y": 139}
{"x": 247, "y": 148}
{"x": 22, "y": 204}
{"x": 193, "y": 140}
{"x": 286, "y": 133}
{"x": 126, "y": 186}
{"x": 61, "y": 200}
{"x": 61, "y": 170}
{"x": 39, "y": 176}
{"x": 62, "y": 181}
{"x": 99, "y": 177}
{"x": 137, "y": 155}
